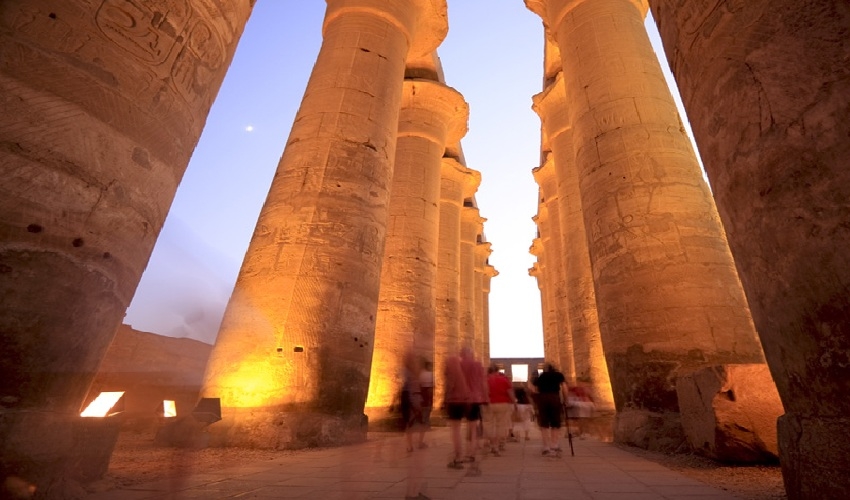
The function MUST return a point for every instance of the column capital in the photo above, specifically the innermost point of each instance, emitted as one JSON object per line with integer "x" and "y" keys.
{"x": 432, "y": 110}
{"x": 425, "y": 23}
{"x": 553, "y": 11}
{"x": 551, "y": 106}
{"x": 536, "y": 248}
{"x": 535, "y": 272}
{"x": 483, "y": 250}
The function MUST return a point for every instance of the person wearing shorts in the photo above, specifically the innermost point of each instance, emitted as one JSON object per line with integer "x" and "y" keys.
{"x": 456, "y": 401}
{"x": 551, "y": 388}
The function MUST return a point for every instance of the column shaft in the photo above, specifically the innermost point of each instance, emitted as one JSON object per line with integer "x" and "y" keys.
{"x": 456, "y": 184}
{"x": 668, "y": 295}
{"x": 765, "y": 84}
{"x": 468, "y": 233}
{"x": 98, "y": 121}
{"x": 431, "y": 116}
{"x": 297, "y": 335}
{"x": 590, "y": 365}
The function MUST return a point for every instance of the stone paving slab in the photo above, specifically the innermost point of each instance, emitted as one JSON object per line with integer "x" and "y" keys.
{"x": 381, "y": 468}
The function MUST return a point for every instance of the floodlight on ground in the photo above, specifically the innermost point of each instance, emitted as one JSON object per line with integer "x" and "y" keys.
{"x": 208, "y": 410}
{"x": 105, "y": 404}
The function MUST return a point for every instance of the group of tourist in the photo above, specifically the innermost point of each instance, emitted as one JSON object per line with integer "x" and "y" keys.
{"x": 494, "y": 411}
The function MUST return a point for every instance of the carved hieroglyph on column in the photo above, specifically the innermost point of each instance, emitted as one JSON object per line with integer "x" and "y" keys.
{"x": 470, "y": 221}
{"x": 550, "y": 226}
{"x": 766, "y": 85}
{"x": 457, "y": 183}
{"x": 482, "y": 253}
{"x": 581, "y": 314}
{"x": 292, "y": 359}
{"x": 667, "y": 292}
{"x": 102, "y": 105}
{"x": 432, "y": 115}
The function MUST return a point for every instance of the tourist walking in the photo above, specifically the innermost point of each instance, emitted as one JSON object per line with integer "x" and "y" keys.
{"x": 497, "y": 417}
{"x": 456, "y": 398}
{"x": 551, "y": 390}
{"x": 476, "y": 380}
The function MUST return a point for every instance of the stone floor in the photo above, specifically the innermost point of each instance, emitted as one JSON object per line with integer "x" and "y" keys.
{"x": 381, "y": 468}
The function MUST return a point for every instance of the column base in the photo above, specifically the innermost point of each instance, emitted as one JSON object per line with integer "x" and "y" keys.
{"x": 813, "y": 454}
{"x": 273, "y": 428}
{"x": 649, "y": 430}
{"x": 52, "y": 455}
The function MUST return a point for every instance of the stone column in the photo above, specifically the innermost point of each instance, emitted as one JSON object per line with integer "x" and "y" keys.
{"x": 590, "y": 367}
{"x": 551, "y": 341}
{"x": 482, "y": 253}
{"x": 551, "y": 225}
{"x": 490, "y": 272}
{"x": 668, "y": 296}
{"x": 292, "y": 360}
{"x": 469, "y": 220}
{"x": 102, "y": 105}
{"x": 765, "y": 84}
{"x": 432, "y": 115}
{"x": 457, "y": 183}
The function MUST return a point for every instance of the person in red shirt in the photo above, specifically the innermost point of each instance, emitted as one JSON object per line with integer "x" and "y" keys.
{"x": 497, "y": 418}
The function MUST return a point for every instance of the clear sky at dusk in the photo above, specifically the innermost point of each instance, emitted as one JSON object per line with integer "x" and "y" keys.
{"x": 492, "y": 55}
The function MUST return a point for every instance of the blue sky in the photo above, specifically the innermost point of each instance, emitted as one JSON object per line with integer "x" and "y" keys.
{"x": 492, "y": 55}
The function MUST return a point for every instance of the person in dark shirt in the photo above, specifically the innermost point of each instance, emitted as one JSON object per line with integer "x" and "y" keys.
{"x": 551, "y": 390}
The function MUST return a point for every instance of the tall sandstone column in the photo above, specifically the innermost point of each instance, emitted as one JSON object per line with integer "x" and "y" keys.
{"x": 490, "y": 272}
{"x": 590, "y": 366}
{"x": 482, "y": 253}
{"x": 469, "y": 221}
{"x": 101, "y": 106}
{"x": 457, "y": 183}
{"x": 292, "y": 360}
{"x": 668, "y": 296}
{"x": 549, "y": 220}
{"x": 432, "y": 115}
{"x": 551, "y": 341}
{"x": 765, "y": 84}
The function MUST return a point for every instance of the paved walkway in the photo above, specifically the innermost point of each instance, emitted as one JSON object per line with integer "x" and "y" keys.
{"x": 381, "y": 468}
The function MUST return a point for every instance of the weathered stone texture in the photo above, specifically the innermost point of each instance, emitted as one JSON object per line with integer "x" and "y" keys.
{"x": 729, "y": 412}
{"x": 432, "y": 115}
{"x": 101, "y": 104}
{"x": 765, "y": 84}
{"x": 298, "y": 332}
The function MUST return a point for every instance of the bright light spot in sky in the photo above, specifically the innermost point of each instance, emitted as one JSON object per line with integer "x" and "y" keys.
{"x": 249, "y": 128}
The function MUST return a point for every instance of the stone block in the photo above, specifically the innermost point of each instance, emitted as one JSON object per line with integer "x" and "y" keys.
{"x": 654, "y": 431}
{"x": 729, "y": 412}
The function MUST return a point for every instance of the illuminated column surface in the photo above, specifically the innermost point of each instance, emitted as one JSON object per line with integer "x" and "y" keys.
{"x": 490, "y": 272}
{"x": 766, "y": 87}
{"x": 583, "y": 320}
{"x": 292, "y": 360}
{"x": 469, "y": 223}
{"x": 482, "y": 252}
{"x": 102, "y": 105}
{"x": 432, "y": 115}
{"x": 457, "y": 183}
{"x": 667, "y": 292}
{"x": 551, "y": 344}
{"x": 550, "y": 225}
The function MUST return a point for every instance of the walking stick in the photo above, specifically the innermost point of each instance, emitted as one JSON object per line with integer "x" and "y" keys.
{"x": 569, "y": 431}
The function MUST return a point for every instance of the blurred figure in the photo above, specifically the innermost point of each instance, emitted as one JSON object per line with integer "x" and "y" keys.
{"x": 523, "y": 415}
{"x": 456, "y": 394}
{"x": 426, "y": 386}
{"x": 412, "y": 415}
{"x": 580, "y": 407}
{"x": 497, "y": 417}
{"x": 551, "y": 389}
{"x": 476, "y": 380}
